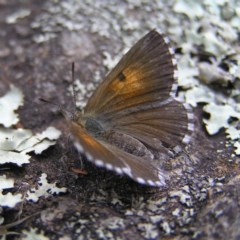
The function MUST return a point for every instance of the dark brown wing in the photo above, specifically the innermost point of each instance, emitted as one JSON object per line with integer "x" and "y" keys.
{"x": 168, "y": 123}
{"x": 144, "y": 74}
{"x": 114, "y": 159}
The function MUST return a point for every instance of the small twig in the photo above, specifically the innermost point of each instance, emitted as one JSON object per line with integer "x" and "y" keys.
{"x": 4, "y": 228}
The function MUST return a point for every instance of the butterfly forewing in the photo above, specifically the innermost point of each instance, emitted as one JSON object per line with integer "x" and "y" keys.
{"x": 94, "y": 150}
{"x": 112, "y": 158}
{"x": 144, "y": 74}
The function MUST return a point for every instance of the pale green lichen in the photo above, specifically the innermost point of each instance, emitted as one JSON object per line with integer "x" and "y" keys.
{"x": 237, "y": 146}
{"x": 148, "y": 230}
{"x": 233, "y": 133}
{"x": 16, "y": 143}
{"x": 33, "y": 234}
{"x": 190, "y": 8}
{"x": 184, "y": 197}
{"x": 219, "y": 117}
{"x": 10, "y": 102}
{"x": 41, "y": 141}
{"x": 187, "y": 72}
{"x": 199, "y": 94}
{"x": 166, "y": 227}
{"x": 8, "y": 200}
{"x": 44, "y": 189}
{"x": 114, "y": 223}
{"x": 19, "y": 14}
{"x": 216, "y": 34}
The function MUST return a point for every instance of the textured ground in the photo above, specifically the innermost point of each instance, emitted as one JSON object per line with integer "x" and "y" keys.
{"x": 38, "y": 42}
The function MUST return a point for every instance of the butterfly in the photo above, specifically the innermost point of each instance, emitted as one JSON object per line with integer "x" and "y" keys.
{"x": 133, "y": 114}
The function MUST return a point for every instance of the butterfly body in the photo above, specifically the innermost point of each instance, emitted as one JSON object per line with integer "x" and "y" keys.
{"x": 133, "y": 118}
{"x": 94, "y": 127}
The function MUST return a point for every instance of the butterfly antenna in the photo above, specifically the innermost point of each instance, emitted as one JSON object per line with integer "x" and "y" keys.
{"x": 60, "y": 107}
{"x": 52, "y": 103}
{"x": 73, "y": 80}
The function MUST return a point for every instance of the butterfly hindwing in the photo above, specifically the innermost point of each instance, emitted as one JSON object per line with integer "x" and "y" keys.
{"x": 170, "y": 122}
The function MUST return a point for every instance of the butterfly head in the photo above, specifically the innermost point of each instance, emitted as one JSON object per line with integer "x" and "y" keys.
{"x": 67, "y": 115}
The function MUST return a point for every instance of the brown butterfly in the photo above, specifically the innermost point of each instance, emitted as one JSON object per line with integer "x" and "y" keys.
{"x": 133, "y": 114}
